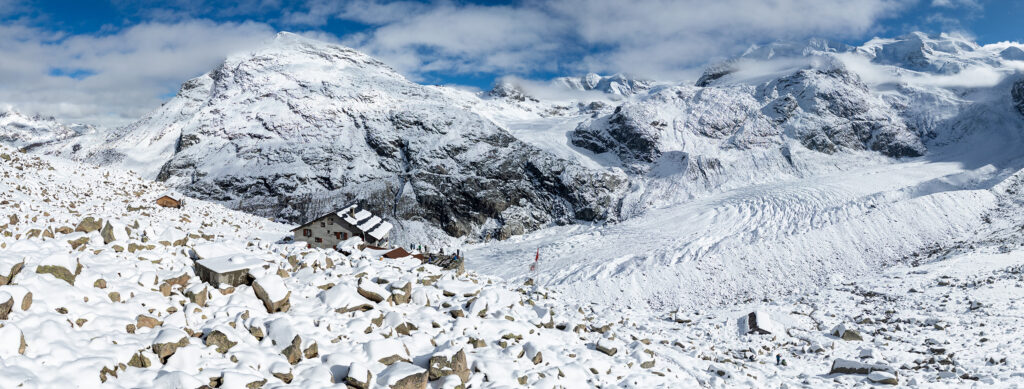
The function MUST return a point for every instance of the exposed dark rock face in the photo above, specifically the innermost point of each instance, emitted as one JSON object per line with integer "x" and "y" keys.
{"x": 830, "y": 108}
{"x": 1017, "y": 92}
{"x": 825, "y": 107}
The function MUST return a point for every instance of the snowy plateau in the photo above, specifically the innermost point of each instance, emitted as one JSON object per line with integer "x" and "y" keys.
{"x": 806, "y": 214}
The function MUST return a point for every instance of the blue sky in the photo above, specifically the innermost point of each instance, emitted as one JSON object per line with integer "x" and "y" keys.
{"x": 108, "y": 62}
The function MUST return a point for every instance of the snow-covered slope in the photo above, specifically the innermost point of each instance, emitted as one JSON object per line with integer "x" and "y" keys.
{"x": 301, "y": 127}
{"x": 22, "y": 131}
{"x": 769, "y": 182}
{"x": 117, "y": 303}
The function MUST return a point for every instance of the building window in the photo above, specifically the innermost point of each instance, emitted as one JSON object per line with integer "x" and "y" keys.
{"x": 307, "y": 232}
{"x": 344, "y": 235}
{"x": 337, "y": 235}
{"x": 318, "y": 240}
{"x": 322, "y": 224}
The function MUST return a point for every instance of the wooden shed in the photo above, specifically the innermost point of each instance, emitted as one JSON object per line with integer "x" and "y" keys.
{"x": 170, "y": 200}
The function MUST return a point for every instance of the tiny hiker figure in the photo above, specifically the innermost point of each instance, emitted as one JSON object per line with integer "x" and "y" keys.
{"x": 778, "y": 359}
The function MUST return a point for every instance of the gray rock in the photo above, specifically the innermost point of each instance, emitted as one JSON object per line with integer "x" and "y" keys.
{"x": 444, "y": 365}
{"x": 219, "y": 339}
{"x": 89, "y": 224}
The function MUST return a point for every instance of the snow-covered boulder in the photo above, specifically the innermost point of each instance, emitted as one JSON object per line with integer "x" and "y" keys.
{"x": 847, "y": 366}
{"x": 272, "y": 291}
{"x": 845, "y": 333}
{"x": 168, "y": 341}
{"x": 358, "y": 376}
{"x": 372, "y": 291}
{"x": 63, "y": 266}
{"x": 403, "y": 375}
{"x": 12, "y": 341}
{"x": 447, "y": 363}
{"x": 114, "y": 232}
{"x": 761, "y": 323}
{"x": 345, "y": 298}
{"x": 6, "y": 304}
{"x": 882, "y": 377}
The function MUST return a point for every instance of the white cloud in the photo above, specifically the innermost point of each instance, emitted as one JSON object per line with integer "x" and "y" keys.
{"x": 654, "y": 38}
{"x": 129, "y": 71}
{"x": 110, "y": 79}
{"x": 956, "y": 4}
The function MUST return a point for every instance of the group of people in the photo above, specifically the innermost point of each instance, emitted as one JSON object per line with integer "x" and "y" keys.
{"x": 432, "y": 257}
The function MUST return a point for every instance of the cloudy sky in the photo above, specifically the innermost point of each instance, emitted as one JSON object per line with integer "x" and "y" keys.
{"x": 107, "y": 62}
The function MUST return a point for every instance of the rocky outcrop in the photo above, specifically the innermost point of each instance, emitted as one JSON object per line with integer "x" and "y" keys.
{"x": 829, "y": 108}
{"x": 1017, "y": 93}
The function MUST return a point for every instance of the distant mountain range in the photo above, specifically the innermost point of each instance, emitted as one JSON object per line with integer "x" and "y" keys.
{"x": 299, "y": 127}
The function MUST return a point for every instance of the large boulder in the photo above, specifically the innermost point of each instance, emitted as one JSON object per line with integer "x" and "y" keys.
{"x": 168, "y": 341}
{"x": 8, "y": 270}
{"x": 847, "y": 366}
{"x": 444, "y": 364}
{"x": 759, "y": 322}
{"x": 359, "y": 377}
{"x": 294, "y": 350}
{"x": 62, "y": 266}
{"x": 114, "y": 232}
{"x": 89, "y": 224}
{"x": 881, "y": 377}
{"x": 6, "y": 304}
{"x": 372, "y": 291}
{"x": 219, "y": 338}
{"x": 844, "y": 333}
{"x": 403, "y": 375}
{"x": 271, "y": 290}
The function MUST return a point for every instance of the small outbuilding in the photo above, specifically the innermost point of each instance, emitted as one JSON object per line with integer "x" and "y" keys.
{"x": 170, "y": 200}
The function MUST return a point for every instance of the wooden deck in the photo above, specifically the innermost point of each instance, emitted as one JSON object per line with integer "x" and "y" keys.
{"x": 445, "y": 261}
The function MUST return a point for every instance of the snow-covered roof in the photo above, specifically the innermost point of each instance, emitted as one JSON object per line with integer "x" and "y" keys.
{"x": 363, "y": 220}
{"x": 369, "y": 223}
{"x": 381, "y": 231}
{"x": 172, "y": 194}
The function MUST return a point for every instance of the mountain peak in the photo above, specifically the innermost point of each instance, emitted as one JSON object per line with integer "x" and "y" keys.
{"x": 615, "y": 84}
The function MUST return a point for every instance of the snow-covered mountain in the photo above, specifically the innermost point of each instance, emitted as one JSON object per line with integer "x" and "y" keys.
{"x": 616, "y": 84}
{"x": 23, "y": 131}
{"x": 300, "y": 127}
{"x": 854, "y": 211}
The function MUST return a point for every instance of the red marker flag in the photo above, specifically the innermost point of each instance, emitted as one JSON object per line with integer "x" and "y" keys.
{"x": 537, "y": 258}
